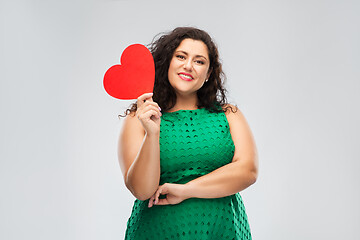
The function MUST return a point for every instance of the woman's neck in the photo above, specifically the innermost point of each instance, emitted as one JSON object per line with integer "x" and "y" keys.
{"x": 185, "y": 103}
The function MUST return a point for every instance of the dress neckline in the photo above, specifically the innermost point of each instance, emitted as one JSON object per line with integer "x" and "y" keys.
{"x": 185, "y": 110}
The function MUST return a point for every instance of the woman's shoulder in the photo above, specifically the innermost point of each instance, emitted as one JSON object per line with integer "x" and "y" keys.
{"x": 130, "y": 118}
{"x": 132, "y": 124}
{"x": 234, "y": 115}
{"x": 230, "y": 109}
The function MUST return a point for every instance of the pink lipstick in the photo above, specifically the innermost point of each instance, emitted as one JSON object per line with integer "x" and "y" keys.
{"x": 186, "y": 76}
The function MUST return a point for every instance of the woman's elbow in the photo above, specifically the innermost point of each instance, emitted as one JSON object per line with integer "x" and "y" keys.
{"x": 142, "y": 197}
{"x": 254, "y": 169}
{"x": 138, "y": 193}
{"x": 253, "y": 177}
{"x": 252, "y": 174}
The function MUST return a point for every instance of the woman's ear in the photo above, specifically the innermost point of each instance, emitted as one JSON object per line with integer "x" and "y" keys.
{"x": 209, "y": 73}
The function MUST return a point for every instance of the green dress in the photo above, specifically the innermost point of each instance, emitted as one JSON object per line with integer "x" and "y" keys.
{"x": 192, "y": 143}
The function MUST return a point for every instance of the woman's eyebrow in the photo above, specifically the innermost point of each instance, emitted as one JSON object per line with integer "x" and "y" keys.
{"x": 188, "y": 54}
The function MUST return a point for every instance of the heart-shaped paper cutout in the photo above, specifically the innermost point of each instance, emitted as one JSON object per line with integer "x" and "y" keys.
{"x": 134, "y": 77}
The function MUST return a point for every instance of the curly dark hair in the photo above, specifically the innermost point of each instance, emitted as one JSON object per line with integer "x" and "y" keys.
{"x": 210, "y": 96}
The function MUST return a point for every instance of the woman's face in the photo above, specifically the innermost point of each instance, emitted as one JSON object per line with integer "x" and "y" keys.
{"x": 189, "y": 67}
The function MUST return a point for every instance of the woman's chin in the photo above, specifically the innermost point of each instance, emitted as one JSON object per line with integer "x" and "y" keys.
{"x": 185, "y": 90}
{"x": 185, "y": 93}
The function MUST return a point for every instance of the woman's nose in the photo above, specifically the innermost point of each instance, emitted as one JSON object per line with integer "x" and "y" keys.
{"x": 188, "y": 64}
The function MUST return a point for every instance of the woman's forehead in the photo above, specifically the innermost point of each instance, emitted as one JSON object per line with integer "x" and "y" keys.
{"x": 193, "y": 47}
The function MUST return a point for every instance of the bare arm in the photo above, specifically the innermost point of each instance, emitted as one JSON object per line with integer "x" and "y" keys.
{"x": 235, "y": 176}
{"x": 139, "y": 150}
{"x": 224, "y": 181}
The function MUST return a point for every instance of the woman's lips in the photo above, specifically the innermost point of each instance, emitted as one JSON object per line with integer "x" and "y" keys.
{"x": 186, "y": 76}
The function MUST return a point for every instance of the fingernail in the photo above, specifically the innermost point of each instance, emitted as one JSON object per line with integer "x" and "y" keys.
{"x": 160, "y": 108}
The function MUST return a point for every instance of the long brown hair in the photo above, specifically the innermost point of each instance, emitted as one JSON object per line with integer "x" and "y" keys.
{"x": 210, "y": 96}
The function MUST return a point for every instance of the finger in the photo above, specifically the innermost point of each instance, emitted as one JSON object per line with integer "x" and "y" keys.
{"x": 163, "y": 201}
{"x": 148, "y": 115}
{"x": 147, "y": 103}
{"x": 142, "y": 98}
{"x": 147, "y": 112}
{"x": 147, "y": 106}
{"x": 151, "y": 200}
{"x": 151, "y": 107}
{"x": 162, "y": 190}
{"x": 157, "y": 195}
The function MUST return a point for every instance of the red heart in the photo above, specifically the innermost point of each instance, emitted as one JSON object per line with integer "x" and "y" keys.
{"x": 134, "y": 77}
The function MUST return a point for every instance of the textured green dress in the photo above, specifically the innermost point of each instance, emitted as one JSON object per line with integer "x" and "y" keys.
{"x": 193, "y": 143}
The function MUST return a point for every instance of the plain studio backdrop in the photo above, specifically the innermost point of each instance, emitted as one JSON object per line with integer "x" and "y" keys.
{"x": 293, "y": 68}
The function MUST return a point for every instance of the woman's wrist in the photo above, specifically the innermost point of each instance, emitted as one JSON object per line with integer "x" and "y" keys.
{"x": 188, "y": 191}
{"x": 153, "y": 134}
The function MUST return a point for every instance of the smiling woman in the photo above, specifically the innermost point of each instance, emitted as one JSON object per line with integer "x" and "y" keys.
{"x": 186, "y": 153}
{"x": 189, "y": 68}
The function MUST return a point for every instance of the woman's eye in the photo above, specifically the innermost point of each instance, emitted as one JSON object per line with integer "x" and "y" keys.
{"x": 180, "y": 56}
{"x": 200, "y": 62}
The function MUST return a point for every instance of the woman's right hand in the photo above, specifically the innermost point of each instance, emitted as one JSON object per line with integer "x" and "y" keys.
{"x": 148, "y": 112}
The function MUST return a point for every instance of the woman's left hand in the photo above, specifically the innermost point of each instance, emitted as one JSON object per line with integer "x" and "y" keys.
{"x": 175, "y": 193}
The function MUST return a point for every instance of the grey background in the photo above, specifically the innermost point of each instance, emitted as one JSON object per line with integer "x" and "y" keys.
{"x": 292, "y": 68}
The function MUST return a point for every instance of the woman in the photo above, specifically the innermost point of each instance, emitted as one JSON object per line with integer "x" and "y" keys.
{"x": 186, "y": 153}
